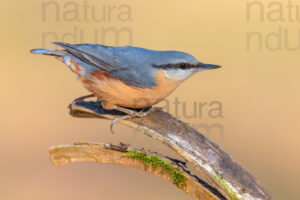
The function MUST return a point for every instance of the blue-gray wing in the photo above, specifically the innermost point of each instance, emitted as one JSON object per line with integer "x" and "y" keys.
{"x": 90, "y": 54}
{"x": 127, "y": 64}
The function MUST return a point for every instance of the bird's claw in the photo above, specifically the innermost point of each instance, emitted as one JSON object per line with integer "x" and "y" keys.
{"x": 117, "y": 120}
{"x": 132, "y": 114}
{"x": 144, "y": 113}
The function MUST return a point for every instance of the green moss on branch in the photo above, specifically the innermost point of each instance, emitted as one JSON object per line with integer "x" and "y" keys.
{"x": 155, "y": 161}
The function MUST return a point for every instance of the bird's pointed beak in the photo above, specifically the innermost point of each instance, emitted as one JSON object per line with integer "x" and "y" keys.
{"x": 209, "y": 66}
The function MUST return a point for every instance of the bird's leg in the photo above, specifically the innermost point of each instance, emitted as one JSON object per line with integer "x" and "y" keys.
{"x": 133, "y": 113}
{"x": 110, "y": 106}
{"x": 83, "y": 98}
{"x": 130, "y": 114}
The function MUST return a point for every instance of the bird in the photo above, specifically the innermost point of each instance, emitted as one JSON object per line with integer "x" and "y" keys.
{"x": 126, "y": 78}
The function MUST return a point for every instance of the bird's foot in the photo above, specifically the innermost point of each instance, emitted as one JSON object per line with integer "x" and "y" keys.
{"x": 131, "y": 114}
{"x": 116, "y": 120}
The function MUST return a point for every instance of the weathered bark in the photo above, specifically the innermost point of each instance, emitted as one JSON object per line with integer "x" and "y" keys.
{"x": 219, "y": 172}
{"x": 115, "y": 154}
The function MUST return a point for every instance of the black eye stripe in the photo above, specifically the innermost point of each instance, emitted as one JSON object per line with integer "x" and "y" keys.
{"x": 177, "y": 66}
{"x": 183, "y": 66}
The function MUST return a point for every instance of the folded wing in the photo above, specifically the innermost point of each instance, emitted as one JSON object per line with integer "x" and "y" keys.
{"x": 92, "y": 55}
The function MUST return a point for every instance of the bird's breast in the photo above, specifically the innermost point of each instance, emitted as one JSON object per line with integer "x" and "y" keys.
{"x": 116, "y": 92}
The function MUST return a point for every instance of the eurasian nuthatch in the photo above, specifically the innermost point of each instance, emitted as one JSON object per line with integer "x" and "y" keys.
{"x": 127, "y": 77}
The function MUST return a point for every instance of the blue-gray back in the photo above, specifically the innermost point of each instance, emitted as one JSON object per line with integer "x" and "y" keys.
{"x": 132, "y": 65}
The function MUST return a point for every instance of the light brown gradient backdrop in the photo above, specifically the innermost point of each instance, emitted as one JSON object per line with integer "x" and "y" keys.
{"x": 259, "y": 91}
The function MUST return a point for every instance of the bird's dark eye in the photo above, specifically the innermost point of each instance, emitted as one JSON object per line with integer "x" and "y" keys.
{"x": 183, "y": 66}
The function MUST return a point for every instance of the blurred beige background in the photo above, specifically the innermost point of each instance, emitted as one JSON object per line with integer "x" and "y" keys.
{"x": 258, "y": 90}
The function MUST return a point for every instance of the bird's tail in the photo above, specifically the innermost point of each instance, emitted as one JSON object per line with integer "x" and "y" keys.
{"x": 50, "y": 52}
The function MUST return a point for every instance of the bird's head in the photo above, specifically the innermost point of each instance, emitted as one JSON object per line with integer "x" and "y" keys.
{"x": 179, "y": 65}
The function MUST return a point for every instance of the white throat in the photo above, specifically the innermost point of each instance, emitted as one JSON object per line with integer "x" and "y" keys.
{"x": 178, "y": 74}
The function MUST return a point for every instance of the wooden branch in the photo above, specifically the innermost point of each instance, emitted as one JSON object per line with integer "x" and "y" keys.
{"x": 218, "y": 170}
{"x": 115, "y": 154}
